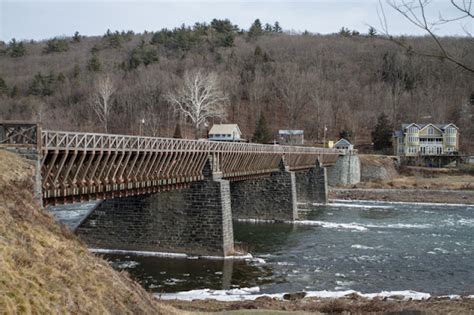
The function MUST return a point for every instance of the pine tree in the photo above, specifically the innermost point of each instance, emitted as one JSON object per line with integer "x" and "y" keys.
{"x": 56, "y": 45}
{"x": 268, "y": 28}
{"x": 76, "y": 38}
{"x": 177, "y": 132}
{"x": 94, "y": 65}
{"x": 256, "y": 29}
{"x": 3, "y": 87}
{"x": 372, "y": 32}
{"x": 345, "y": 134}
{"x": 382, "y": 133}
{"x": 15, "y": 49}
{"x": 36, "y": 86}
{"x": 277, "y": 28}
{"x": 262, "y": 134}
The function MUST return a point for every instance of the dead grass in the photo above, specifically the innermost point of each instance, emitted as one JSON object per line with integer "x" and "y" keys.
{"x": 435, "y": 181}
{"x": 46, "y": 270}
{"x": 348, "y": 305}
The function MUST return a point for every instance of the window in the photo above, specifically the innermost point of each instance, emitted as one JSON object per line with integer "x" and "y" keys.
{"x": 430, "y": 130}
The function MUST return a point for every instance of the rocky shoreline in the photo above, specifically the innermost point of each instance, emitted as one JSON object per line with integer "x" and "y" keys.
{"x": 404, "y": 195}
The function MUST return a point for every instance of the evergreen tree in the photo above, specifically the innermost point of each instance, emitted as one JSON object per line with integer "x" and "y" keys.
{"x": 372, "y": 32}
{"x": 15, "y": 49}
{"x": 345, "y": 134}
{"x": 94, "y": 65}
{"x": 268, "y": 28}
{"x": 36, "y": 86}
{"x": 382, "y": 133}
{"x": 262, "y": 134}
{"x": 344, "y": 31}
{"x": 76, "y": 38}
{"x": 43, "y": 85}
{"x": 256, "y": 29}
{"x": 3, "y": 87}
{"x": 56, "y": 45}
{"x": 177, "y": 132}
{"x": 277, "y": 28}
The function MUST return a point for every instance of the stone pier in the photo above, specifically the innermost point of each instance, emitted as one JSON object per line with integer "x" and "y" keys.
{"x": 195, "y": 220}
{"x": 346, "y": 171}
{"x": 311, "y": 186}
{"x": 267, "y": 198}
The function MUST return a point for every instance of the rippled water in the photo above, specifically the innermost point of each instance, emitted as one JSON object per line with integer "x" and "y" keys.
{"x": 367, "y": 247}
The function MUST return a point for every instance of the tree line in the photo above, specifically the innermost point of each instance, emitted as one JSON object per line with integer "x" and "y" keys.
{"x": 342, "y": 82}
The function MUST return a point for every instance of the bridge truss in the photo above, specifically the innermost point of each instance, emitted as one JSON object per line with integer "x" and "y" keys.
{"x": 81, "y": 166}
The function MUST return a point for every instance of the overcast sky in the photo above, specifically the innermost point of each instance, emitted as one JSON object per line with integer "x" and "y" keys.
{"x": 46, "y": 19}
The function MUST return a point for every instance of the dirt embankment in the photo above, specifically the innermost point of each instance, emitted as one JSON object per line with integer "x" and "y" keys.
{"x": 377, "y": 167}
{"x": 383, "y": 179}
{"x": 46, "y": 270}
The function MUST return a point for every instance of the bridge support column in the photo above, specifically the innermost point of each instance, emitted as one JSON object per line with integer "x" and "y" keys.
{"x": 268, "y": 198}
{"x": 346, "y": 171}
{"x": 311, "y": 186}
{"x": 195, "y": 220}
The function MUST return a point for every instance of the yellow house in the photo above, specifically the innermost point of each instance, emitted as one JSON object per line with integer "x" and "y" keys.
{"x": 426, "y": 140}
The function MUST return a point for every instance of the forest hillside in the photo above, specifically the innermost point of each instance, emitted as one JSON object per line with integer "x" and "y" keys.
{"x": 297, "y": 80}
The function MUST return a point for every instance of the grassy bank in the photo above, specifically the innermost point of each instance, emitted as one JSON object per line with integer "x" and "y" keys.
{"x": 46, "y": 270}
{"x": 352, "y": 304}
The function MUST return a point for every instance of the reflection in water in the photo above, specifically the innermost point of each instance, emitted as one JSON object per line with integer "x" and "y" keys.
{"x": 173, "y": 275}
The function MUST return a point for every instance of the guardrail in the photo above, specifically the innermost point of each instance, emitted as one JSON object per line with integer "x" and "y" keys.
{"x": 20, "y": 133}
{"x": 59, "y": 140}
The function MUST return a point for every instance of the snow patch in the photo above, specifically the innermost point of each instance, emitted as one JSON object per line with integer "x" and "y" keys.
{"x": 166, "y": 255}
{"x": 248, "y": 294}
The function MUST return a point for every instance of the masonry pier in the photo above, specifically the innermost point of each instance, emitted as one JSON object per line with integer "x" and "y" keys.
{"x": 267, "y": 198}
{"x": 311, "y": 186}
{"x": 196, "y": 220}
{"x": 346, "y": 171}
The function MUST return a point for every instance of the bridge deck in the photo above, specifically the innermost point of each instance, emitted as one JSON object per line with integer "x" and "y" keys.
{"x": 82, "y": 166}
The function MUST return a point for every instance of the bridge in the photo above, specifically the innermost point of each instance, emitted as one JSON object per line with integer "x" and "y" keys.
{"x": 160, "y": 177}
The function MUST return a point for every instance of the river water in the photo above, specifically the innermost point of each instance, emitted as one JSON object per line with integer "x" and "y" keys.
{"x": 364, "y": 246}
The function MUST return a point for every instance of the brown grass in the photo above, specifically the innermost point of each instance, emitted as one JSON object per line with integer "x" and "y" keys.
{"x": 44, "y": 269}
{"x": 435, "y": 181}
{"x": 348, "y": 305}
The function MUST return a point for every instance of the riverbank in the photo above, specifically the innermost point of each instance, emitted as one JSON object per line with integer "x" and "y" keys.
{"x": 44, "y": 269}
{"x": 404, "y": 195}
{"x": 352, "y": 304}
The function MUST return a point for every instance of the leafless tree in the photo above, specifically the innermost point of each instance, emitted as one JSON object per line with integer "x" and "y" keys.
{"x": 415, "y": 11}
{"x": 101, "y": 99}
{"x": 199, "y": 98}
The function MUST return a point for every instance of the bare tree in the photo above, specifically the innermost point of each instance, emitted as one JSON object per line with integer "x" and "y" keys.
{"x": 101, "y": 99}
{"x": 415, "y": 11}
{"x": 199, "y": 98}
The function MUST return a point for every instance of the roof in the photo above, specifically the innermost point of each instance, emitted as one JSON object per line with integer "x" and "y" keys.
{"x": 290, "y": 132}
{"x": 342, "y": 141}
{"x": 421, "y": 126}
{"x": 398, "y": 134}
{"x": 224, "y": 129}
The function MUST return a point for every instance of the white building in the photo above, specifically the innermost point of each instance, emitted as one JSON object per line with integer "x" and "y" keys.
{"x": 343, "y": 144}
{"x": 225, "y": 132}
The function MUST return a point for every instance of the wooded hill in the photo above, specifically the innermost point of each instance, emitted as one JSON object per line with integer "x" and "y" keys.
{"x": 300, "y": 81}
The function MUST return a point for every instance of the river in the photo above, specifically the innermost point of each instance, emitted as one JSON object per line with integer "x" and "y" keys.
{"x": 363, "y": 246}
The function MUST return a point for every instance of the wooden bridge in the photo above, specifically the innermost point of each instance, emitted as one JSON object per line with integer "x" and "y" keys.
{"x": 79, "y": 166}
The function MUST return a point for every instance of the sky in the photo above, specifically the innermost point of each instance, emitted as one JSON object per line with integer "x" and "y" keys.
{"x": 42, "y": 19}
